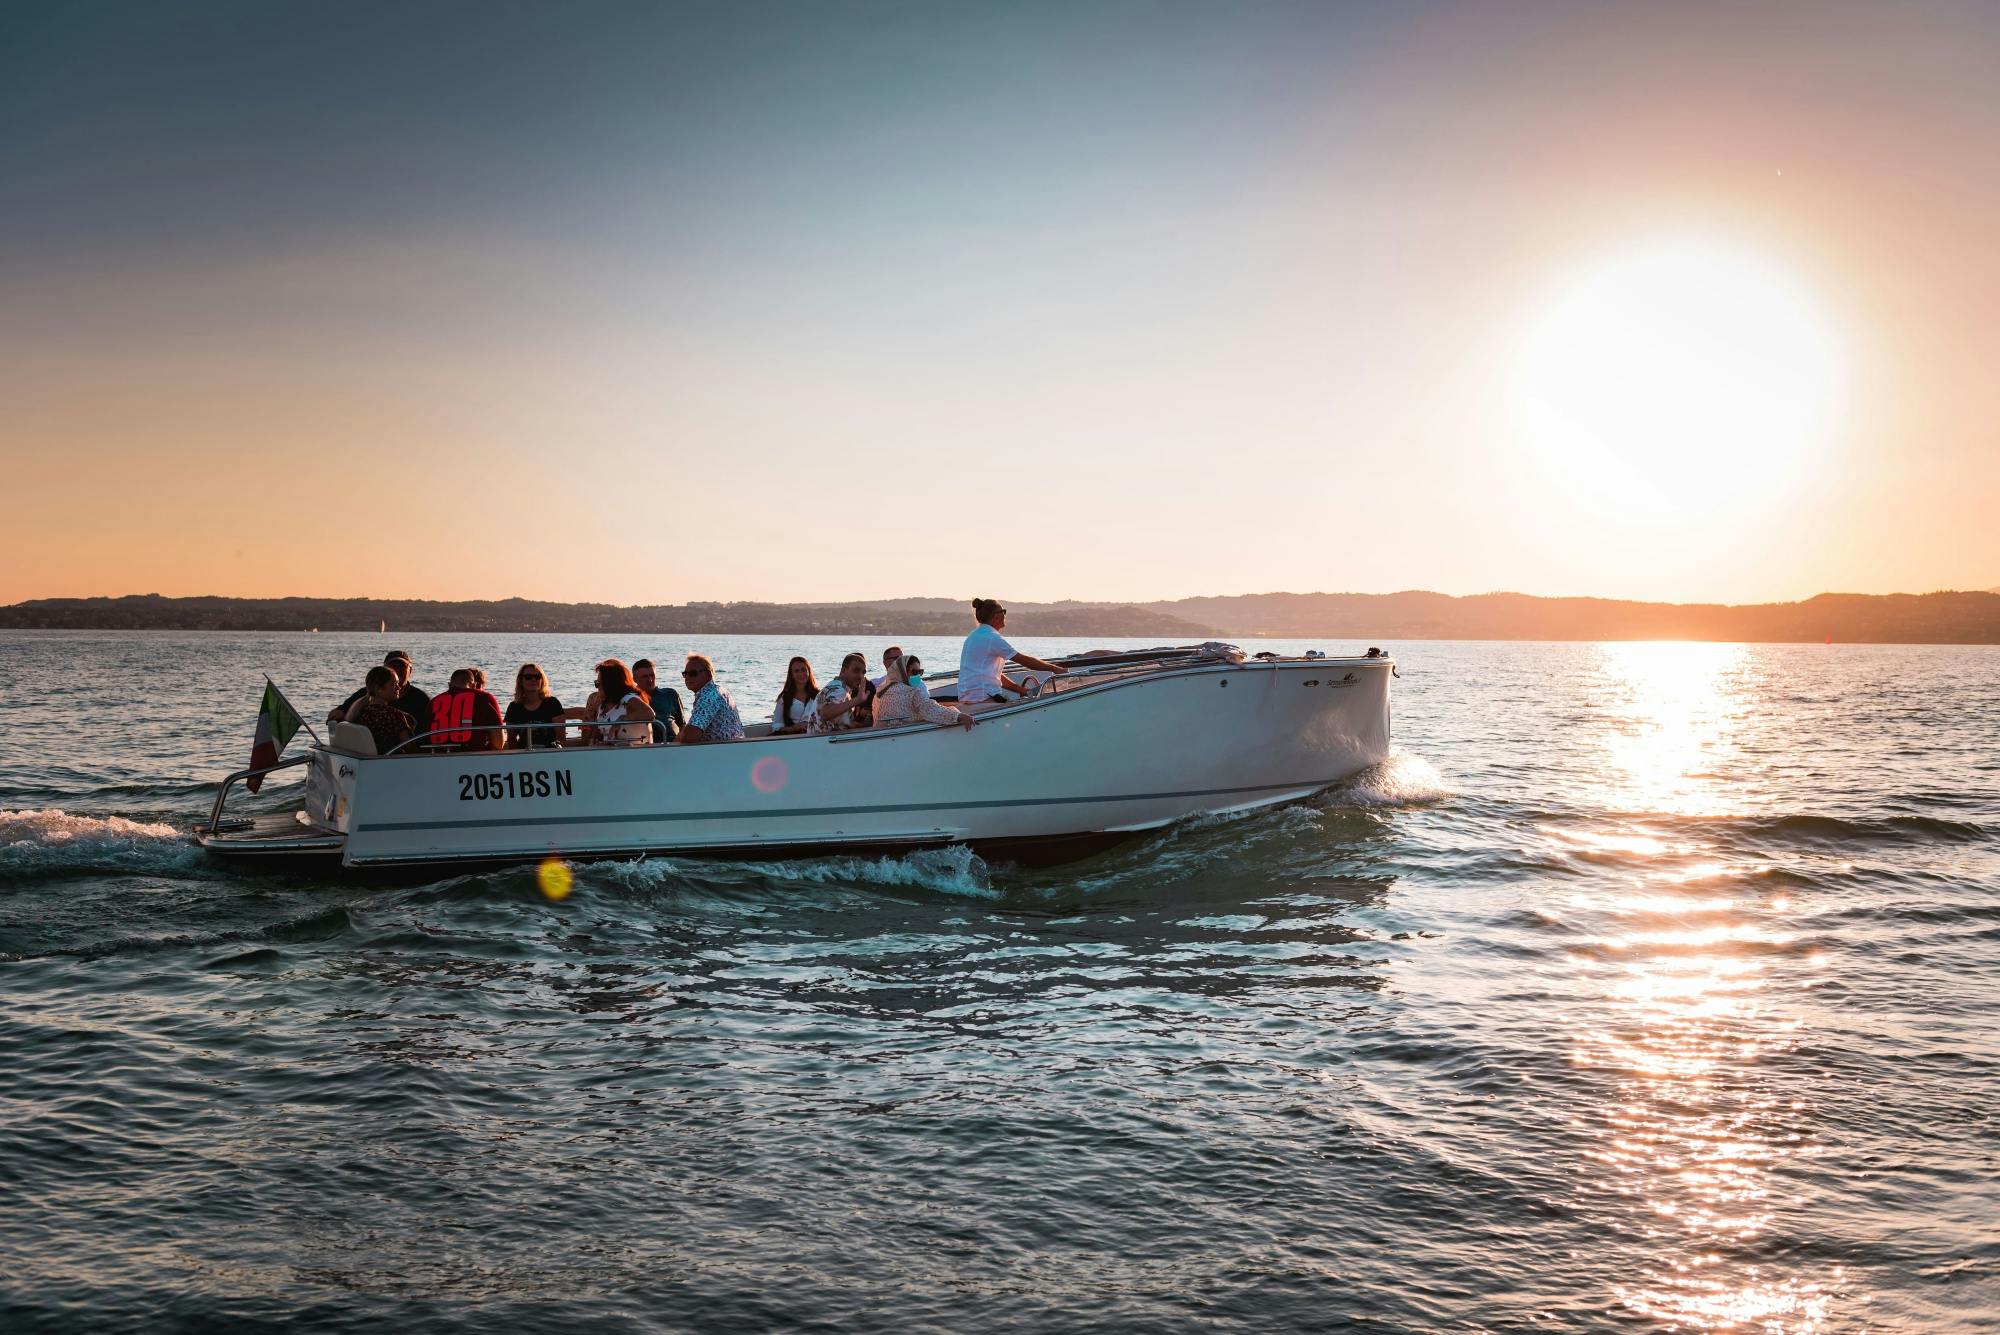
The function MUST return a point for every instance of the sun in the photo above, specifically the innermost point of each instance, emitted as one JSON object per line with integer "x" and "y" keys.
{"x": 1677, "y": 379}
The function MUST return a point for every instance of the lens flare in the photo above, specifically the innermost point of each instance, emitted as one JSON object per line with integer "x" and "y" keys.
{"x": 768, "y": 775}
{"x": 555, "y": 878}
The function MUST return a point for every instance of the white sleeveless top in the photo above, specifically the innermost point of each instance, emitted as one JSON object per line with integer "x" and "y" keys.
{"x": 623, "y": 734}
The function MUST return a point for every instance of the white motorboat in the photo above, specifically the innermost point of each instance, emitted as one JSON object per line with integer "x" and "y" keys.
{"x": 1121, "y": 743}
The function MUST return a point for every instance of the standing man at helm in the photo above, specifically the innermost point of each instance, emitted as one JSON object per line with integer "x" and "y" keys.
{"x": 981, "y": 675}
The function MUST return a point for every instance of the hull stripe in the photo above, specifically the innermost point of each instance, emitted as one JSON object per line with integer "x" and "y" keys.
{"x": 768, "y": 813}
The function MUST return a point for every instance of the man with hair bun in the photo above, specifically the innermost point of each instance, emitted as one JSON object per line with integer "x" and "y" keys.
{"x": 981, "y": 662}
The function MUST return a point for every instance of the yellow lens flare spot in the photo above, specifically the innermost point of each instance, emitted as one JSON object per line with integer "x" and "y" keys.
{"x": 555, "y": 878}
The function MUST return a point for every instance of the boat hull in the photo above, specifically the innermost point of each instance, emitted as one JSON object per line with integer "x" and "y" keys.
{"x": 1068, "y": 772}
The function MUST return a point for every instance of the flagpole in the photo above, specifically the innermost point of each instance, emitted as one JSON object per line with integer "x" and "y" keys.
{"x": 304, "y": 722}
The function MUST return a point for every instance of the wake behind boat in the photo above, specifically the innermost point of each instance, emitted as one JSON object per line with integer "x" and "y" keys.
{"x": 1118, "y": 744}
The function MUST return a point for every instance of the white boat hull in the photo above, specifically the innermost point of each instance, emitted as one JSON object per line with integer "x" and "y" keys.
{"x": 1093, "y": 760}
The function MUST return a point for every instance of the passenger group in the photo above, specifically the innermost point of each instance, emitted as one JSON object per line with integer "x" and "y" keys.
{"x": 627, "y": 707}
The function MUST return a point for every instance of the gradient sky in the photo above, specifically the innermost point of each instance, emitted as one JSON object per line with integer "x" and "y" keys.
{"x": 647, "y": 304}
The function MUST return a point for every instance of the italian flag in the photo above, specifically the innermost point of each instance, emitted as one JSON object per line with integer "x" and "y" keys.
{"x": 277, "y": 721}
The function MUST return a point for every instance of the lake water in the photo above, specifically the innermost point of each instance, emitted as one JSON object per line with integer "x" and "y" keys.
{"x": 1648, "y": 987}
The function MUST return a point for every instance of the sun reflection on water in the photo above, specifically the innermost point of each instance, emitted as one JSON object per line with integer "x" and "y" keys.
{"x": 1672, "y": 708}
{"x": 1696, "y": 1128}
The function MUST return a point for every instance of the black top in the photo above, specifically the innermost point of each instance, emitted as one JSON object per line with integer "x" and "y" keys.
{"x": 666, "y": 703}
{"x": 548, "y": 711}
{"x": 390, "y": 726}
{"x": 412, "y": 702}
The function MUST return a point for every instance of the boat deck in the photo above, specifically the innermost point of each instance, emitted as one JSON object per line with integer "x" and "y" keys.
{"x": 279, "y": 832}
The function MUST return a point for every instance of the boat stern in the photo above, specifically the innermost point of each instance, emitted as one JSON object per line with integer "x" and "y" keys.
{"x": 314, "y": 834}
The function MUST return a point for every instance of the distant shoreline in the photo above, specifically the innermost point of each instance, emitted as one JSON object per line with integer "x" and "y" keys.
{"x": 1930, "y": 618}
{"x": 1244, "y": 637}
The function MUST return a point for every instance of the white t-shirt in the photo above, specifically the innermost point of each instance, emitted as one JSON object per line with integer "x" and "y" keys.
{"x": 979, "y": 664}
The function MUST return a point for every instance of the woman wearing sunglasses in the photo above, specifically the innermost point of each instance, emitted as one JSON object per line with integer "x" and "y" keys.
{"x": 906, "y": 700}
{"x": 532, "y": 703}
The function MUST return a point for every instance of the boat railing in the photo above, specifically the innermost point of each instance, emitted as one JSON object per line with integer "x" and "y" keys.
{"x": 1079, "y": 667}
{"x": 419, "y": 743}
{"x": 1158, "y": 653}
{"x": 222, "y": 793}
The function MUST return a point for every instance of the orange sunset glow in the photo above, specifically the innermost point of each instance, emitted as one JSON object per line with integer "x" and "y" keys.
{"x": 1609, "y": 300}
{"x": 1111, "y": 666}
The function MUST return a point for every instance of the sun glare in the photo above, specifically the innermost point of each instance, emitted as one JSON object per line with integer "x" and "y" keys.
{"x": 1673, "y": 377}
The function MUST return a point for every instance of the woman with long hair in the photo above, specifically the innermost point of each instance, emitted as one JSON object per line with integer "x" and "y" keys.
{"x": 532, "y": 703}
{"x": 795, "y": 702}
{"x": 618, "y": 713}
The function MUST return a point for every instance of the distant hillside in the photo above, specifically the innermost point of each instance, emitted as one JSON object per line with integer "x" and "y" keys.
{"x": 1345, "y": 618}
{"x": 1896, "y": 618}
{"x": 916, "y": 616}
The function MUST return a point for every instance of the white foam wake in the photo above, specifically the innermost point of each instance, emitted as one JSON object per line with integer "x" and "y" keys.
{"x": 956, "y": 870}
{"x": 1401, "y": 780}
{"x": 49, "y": 838}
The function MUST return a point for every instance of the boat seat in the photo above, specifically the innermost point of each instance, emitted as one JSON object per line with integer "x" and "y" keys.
{"x": 353, "y": 739}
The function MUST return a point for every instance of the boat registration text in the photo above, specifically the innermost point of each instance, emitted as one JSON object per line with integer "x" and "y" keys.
{"x": 514, "y": 784}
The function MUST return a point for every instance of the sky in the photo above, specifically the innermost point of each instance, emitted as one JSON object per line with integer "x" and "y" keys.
{"x": 647, "y": 303}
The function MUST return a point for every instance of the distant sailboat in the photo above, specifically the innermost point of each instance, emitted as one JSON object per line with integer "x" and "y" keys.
{"x": 383, "y": 628}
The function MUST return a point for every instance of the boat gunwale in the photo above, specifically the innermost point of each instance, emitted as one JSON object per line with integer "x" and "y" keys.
{"x": 845, "y": 736}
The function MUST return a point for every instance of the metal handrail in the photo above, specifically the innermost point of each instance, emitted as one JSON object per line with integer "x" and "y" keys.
{"x": 222, "y": 793}
{"x": 1054, "y": 683}
{"x": 1018, "y": 702}
{"x": 509, "y": 727}
{"x": 1090, "y": 665}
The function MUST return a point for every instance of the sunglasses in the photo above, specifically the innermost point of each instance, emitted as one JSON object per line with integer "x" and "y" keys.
{"x": 694, "y": 672}
{"x": 531, "y": 676}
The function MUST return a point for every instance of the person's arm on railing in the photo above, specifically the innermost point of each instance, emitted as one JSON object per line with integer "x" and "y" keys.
{"x": 585, "y": 735}
{"x": 933, "y": 712}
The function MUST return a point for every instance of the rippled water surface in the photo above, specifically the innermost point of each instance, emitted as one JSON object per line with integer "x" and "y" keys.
{"x": 1648, "y": 987}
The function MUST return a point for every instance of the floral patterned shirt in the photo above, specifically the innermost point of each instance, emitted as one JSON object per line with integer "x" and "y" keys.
{"x": 836, "y": 692}
{"x": 715, "y": 714}
{"x": 390, "y": 726}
